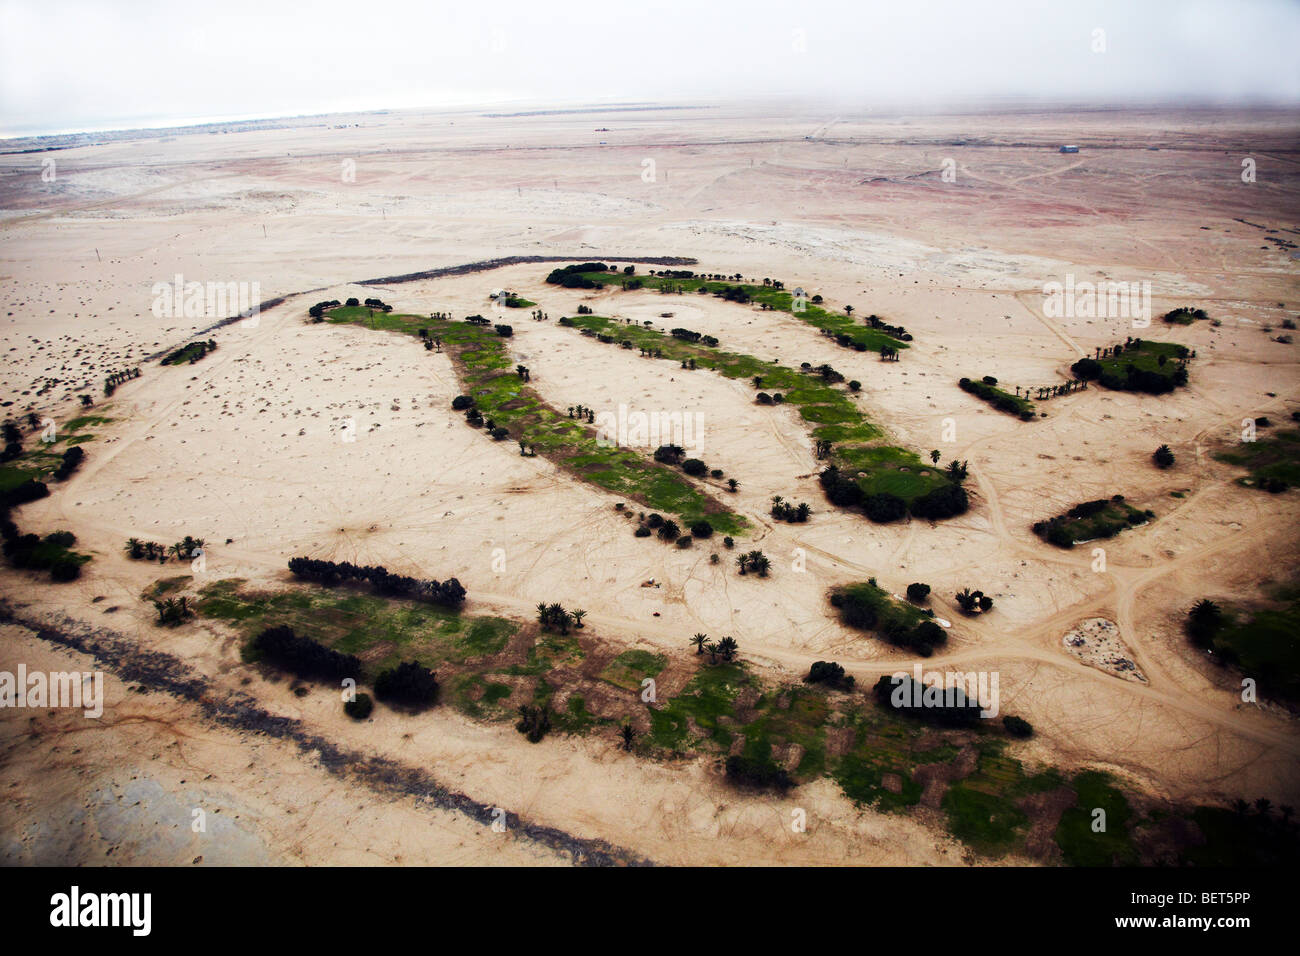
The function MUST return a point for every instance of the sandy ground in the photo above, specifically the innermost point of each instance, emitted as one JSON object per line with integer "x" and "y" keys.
{"x": 248, "y": 444}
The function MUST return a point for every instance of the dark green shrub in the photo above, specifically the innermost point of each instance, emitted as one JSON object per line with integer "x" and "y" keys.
{"x": 360, "y": 708}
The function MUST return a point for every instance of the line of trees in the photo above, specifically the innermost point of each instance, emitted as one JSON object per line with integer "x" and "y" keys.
{"x": 114, "y": 379}
{"x": 138, "y": 550}
{"x": 448, "y": 593}
{"x": 304, "y": 657}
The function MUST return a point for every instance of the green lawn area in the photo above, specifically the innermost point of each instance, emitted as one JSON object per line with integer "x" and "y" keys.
{"x": 486, "y": 373}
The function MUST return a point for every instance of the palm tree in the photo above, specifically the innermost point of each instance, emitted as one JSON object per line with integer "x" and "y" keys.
{"x": 1263, "y": 805}
{"x": 803, "y": 511}
{"x": 727, "y": 647}
{"x": 935, "y": 456}
{"x": 578, "y": 614}
{"x": 133, "y": 547}
{"x": 732, "y": 484}
{"x": 699, "y": 640}
{"x": 742, "y": 560}
{"x": 628, "y": 735}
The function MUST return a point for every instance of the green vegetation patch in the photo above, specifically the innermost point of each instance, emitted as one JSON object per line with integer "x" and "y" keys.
{"x": 1088, "y": 837}
{"x": 633, "y": 666}
{"x": 1090, "y": 520}
{"x": 1273, "y": 460}
{"x": 841, "y": 326}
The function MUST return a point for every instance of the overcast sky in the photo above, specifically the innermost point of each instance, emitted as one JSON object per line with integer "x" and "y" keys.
{"x": 85, "y": 65}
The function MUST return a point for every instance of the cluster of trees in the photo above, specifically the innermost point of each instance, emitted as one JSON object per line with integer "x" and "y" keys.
{"x": 317, "y": 311}
{"x": 304, "y": 657}
{"x": 1163, "y": 457}
{"x": 783, "y": 510}
{"x": 888, "y": 353}
{"x": 947, "y": 707}
{"x": 973, "y": 602}
{"x": 477, "y": 319}
{"x": 190, "y": 353}
{"x": 755, "y": 561}
{"x": 377, "y": 304}
{"x": 1185, "y": 315}
{"x": 448, "y": 593}
{"x": 138, "y": 550}
{"x": 539, "y": 316}
{"x": 686, "y": 335}
{"x": 727, "y": 648}
{"x": 31, "y": 552}
{"x": 534, "y": 721}
{"x": 760, "y": 772}
{"x": 583, "y": 412}
{"x": 71, "y": 460}
{"x": 845, "y": 339}
{"x": 776, "y": 398}
{"x": 13, "y": 438}
{"x": 1085, "y": 520}
{"x": 665, "y": 528}
{"x": 942, "y": 502}
{"x": 114, "y": 379}
{"x": 505, "y": 331}
{"x": 554, "y": 617}
{"x": 918, "y": 592}
{"x": 173, "y": 611}
{"x": 871, "y": 609}
{"x": 1129, "y": 377}
{"x": 570, "y": 277}
{"x": 827, "y": 373}
{"x": 896, "y": 331}
{"x": 830, "y": 674}
{"x": 582, "y": 310}
{"x": 409, "y": 684}
{"x": 675, "y": 455}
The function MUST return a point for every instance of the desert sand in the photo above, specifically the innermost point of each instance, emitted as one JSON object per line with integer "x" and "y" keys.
{"x": 246, "y": 445}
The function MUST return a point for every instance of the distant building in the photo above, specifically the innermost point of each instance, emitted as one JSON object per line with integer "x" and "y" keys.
{"x": 1069, "y": 149}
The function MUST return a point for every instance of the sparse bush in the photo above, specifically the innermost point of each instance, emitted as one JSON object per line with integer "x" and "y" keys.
{"x": 360, "y": 708}
{"x": 409, "y": 684}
